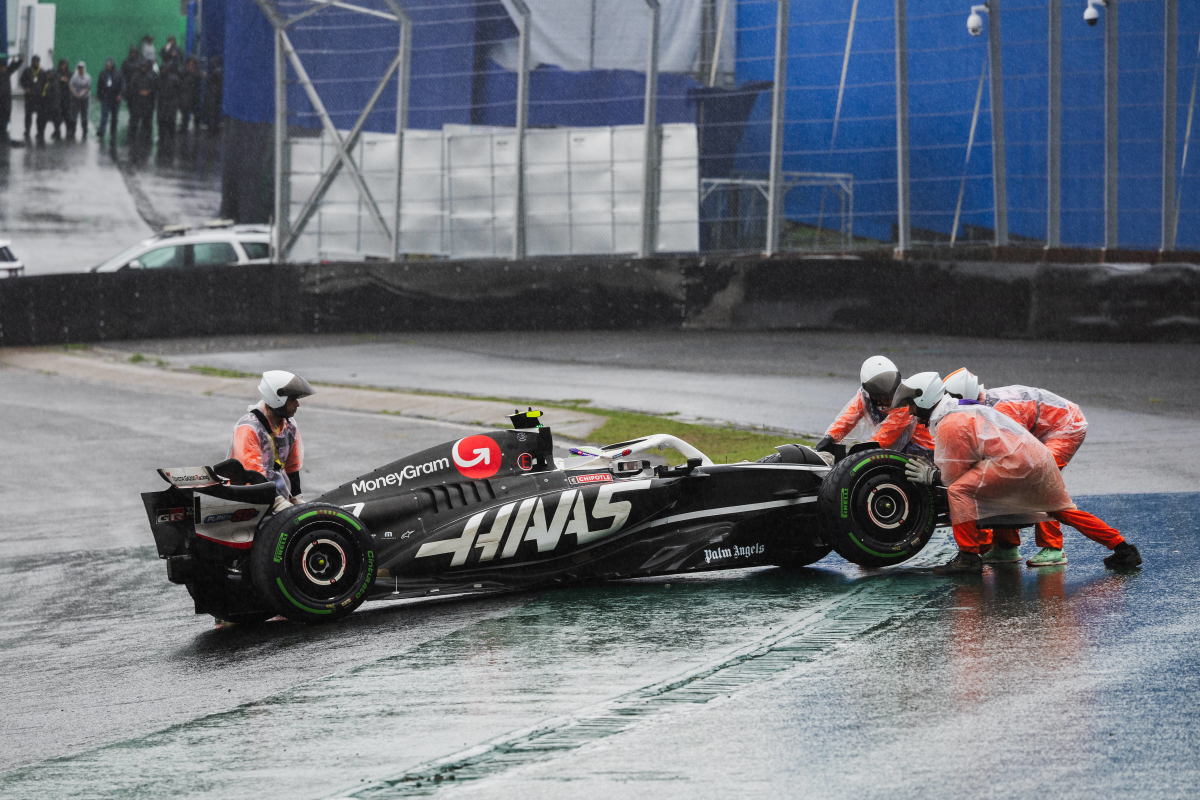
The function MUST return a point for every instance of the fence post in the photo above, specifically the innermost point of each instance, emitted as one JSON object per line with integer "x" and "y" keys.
{"x": 402, "y": 74}
{"x": 904, "y": 220}
{"x": 1170, "y": 64}
{"x": 521, "y": 122}
{"x": 282, "y": 204}
{"x": 1111, "y": 127}
{"x": 778, "y": 105}
{"x": 649, "y": 242}
{"x": 996, "y": 87}
{"x": 1054, "y": 132}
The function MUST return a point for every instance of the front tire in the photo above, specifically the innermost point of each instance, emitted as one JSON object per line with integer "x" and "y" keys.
{"x": 313, "y": 562}
{"x": 873, "y": 516}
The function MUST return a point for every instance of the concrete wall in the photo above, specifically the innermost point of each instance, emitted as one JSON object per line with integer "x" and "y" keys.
{"x": 1059, "y": 301}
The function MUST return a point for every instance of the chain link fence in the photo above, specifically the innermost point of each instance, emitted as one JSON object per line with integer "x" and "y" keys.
{"x": 512, "y": 128}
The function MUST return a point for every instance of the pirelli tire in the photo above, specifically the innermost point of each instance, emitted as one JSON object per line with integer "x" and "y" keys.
{"x": 313, "y": 562}
{"x": 871, "y": 514}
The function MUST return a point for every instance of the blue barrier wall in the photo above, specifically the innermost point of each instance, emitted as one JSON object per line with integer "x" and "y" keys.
{"x": 945, "y": 64}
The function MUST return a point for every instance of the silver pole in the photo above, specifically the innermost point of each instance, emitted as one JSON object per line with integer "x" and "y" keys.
{"x": 778, "y": 104}
{"x": 281, "y": 201}
{"x": 1111, "y": 126}
{"x": 522, "y": 120}
{"x": 650, "y": 151}
{"x": 1170, "y": 64}
{"x": 401, "y": 120}
{"x": 904, "y": 234}
{"x": 1054, "y": 134}
{"x": 996, "y": 93}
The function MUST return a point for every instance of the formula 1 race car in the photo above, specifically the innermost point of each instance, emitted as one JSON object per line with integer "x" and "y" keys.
{"x": 497, "y": 512}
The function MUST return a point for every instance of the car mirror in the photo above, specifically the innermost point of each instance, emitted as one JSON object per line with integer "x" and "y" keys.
{"x": 135, "y": 264}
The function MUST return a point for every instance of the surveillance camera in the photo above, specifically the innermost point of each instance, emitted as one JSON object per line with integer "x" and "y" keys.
{"x": 1091, "y": 16}
{"x": 975, "y": 24}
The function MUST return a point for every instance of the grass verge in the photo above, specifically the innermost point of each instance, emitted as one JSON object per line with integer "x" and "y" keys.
{"x": 217, "y": 372}
{"x": 724, "y": 444}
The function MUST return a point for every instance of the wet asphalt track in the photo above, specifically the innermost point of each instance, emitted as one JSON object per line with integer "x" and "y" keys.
{"x": 827, "y": 682}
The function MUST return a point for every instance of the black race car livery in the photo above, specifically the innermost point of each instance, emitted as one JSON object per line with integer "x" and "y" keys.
{"x": 497, "y": 512}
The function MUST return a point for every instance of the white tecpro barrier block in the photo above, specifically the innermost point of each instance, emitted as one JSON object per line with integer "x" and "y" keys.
{"x": 583, "y": 192}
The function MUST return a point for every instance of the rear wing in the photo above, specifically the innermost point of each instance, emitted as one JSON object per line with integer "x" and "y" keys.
{"x": 189, "y": 477}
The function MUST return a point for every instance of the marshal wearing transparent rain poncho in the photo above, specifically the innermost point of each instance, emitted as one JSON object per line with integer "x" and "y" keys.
{"x": 993, "y": 466}
{"x": 869, "y": 416}
{"x": 1054, "y": 421}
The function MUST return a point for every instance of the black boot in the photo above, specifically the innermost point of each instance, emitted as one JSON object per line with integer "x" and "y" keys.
{"x": 1124, "y": 556}
{"x": 962, "y": 564}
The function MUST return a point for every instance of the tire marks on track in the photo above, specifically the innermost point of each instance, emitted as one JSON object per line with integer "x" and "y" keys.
{"x": 881, "y": 600}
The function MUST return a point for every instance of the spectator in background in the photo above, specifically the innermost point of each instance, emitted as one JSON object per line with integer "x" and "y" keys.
{"x": 171, "y": 55}
{"x": 141, "y": 105}
{"x": 60, "y": 103}
{"x": 170, "y": 85}
{"x": 189, "y": 97}
{"x": 214, "y": 88}
{"x": 130, "y": 66}
{"x": 7, "y": 68}
{"x": 35, "y": 81}
{"x": 81, "y": 89}
{"x": 110, "y": 88}
{"x": 146, "y": 51}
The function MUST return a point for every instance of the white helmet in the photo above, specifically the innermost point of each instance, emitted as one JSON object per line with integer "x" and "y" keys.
{"x": 879, "y": 378}
{"x": 963, "y": 384}
{"x": 925, "y": 390}
{"x": 277, "y": 386}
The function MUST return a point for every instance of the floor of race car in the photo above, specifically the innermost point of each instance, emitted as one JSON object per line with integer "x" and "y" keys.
{"x": 825, "y": 682}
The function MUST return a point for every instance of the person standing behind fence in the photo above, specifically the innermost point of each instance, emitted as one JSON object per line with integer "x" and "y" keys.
{"x": 59, "y": 97}
{"x": 130, "y": 66}
{"x": 110, "y": 88}
{"x": 214, "y": 88}
{"x": 147, "y": 52}
{"x": 171, "y": 55}
{"x": 189, "y": 97}
{"x": 7, "y": 68}
{"x": 35, "y": 81}
{"x": 81, "y": 89}
{"x": 141, "y": 105}
{"x": 169, "y": 87}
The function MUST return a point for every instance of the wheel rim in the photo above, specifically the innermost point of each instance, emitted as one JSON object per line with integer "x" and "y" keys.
{"x": 889, "y": 512}
{"x": 887, "y": 506}
{"x": 322, "y": 564}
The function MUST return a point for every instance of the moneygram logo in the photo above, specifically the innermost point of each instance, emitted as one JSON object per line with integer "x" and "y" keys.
{"x": 476, "y": 457}
{"x": 397, "y": 478}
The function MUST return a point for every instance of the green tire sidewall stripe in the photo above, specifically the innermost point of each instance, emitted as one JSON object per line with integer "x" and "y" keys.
{"x": 284, "y": 537}
{"x": 296, "y": 603}
{"x": 866, "y": 549}
{"x": 338, "y": 514}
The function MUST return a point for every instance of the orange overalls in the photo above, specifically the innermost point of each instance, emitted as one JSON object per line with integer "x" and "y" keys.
{"x": 277, "y": 454}
{"x": 1055, "y": 422}
{"x": 992, "y": 466}
{"x": 895, "y": 429}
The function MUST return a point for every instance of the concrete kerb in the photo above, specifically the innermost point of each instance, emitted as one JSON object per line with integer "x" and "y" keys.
{"x": 112, "y": 367}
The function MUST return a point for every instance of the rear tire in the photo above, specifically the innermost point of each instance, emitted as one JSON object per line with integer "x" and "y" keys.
{"x": 313, "y": 562}
{"x": 872, "y": 515}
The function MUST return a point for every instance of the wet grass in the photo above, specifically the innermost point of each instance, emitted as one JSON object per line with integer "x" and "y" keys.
{"x": 724, "y": 444}
{"x": 218, "y": 372}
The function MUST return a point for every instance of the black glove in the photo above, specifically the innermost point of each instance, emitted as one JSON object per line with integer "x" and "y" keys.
{"x": 922, "y": 470}
{"x": 823, "y": 445}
